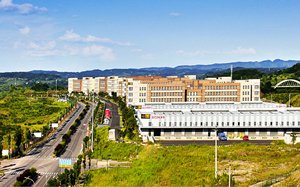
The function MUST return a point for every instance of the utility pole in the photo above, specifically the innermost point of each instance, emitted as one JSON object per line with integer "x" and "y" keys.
{"x": 229, "y": 175}
{"x": 216, "y": 155}
{"x": 93, "y": 122}
{"x": 56, "y": 87}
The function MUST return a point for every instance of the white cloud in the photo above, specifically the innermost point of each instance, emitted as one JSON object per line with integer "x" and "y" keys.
{"x": 104, "y": 53}
{"x": 26, "y": 8}
{"x": 242, "y": 51}
{"x": 71, "y": 36}
{"x": 42, "y": 49}
{"x": 175, "y": 14}
{"x": 25, "y": 30}
{"x": 191, "y": 53}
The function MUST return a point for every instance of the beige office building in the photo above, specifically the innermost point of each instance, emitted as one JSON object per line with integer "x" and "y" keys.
{"x": 156, "y": 89}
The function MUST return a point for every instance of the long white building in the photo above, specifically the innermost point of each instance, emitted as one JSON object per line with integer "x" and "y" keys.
{"x": 198, "y": 121}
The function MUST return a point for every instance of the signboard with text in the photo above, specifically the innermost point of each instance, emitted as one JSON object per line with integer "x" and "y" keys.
{"x": 65, "y": 163}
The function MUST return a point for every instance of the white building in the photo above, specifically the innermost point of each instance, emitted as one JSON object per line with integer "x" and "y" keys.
{"x": 194, "y": 121}
{"x": 249, "y": 90}
{"x": 88, "y": 85}
{"x": 136, "y": 92}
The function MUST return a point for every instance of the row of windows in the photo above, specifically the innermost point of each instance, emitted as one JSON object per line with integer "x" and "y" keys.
{"x": 167, "y": 100}
{"x": 222, "y": 99}
{"x": 192, "y": 99}
{"x": 223, "y": 124}
{"x": 222, "y": 93}
{"x": 192, "y": 93}
{"x": 143, "y": 88}
{"x": 142, "y": 100}
{"x": 221, "y": 87}
{"x": 248, "y": 86}
{"x": 157, "y": 94}
{"x": 142, "y": 94}
{"x": 166, "y": 88}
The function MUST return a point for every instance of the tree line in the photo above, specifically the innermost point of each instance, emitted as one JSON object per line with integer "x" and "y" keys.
{"x": 60, "y": 148}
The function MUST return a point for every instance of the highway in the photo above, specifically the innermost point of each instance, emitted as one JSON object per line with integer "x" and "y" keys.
{"x": 41, "y": 157}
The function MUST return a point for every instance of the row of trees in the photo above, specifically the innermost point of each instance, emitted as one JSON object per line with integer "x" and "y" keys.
{"x": 17, "y": 139}
{"x": 59, "y": 149}
{"x": 130, "y": 127}
{"x": 26, "y": 178}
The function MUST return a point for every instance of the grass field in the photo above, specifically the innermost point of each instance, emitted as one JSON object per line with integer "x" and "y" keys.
{"x": 193, "y": 165}
{"x": 17, "y": 108}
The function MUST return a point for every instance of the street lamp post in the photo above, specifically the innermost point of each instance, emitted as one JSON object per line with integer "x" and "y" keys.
{"x": 93, "y": 123}
{"x": 29, "y": 179}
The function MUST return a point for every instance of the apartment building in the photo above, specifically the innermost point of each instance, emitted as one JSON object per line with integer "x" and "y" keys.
{"x": 100, "y": 84}
{"x": 74, "y": 85}
{"x": 157, "y": 89}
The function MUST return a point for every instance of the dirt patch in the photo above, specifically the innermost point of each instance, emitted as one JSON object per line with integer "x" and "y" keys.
{"x": 241, "y": 171}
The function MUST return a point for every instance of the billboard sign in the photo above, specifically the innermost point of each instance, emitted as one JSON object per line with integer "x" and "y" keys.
{"x": 37, "y": 134}
{"x": 145, "y": 116}
{"x": 54, "y": 125}
{"x": 65, "y": 163}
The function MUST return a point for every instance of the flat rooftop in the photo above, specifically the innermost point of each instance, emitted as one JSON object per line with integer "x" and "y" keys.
{"x": 260, "y": 107}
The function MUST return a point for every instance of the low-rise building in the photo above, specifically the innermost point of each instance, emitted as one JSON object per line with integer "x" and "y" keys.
{"x": 197, "y": 121}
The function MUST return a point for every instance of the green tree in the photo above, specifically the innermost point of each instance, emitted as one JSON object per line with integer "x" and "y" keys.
{"x": 18, "y": 140}
{"x": 1, "y": 146}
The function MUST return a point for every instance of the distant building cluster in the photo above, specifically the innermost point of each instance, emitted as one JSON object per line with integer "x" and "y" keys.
{"x": 171, "y": 89}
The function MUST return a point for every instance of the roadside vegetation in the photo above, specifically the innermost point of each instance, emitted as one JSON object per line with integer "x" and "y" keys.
{"x": 27, "y": 177}
{"x": 23, "y": 112}
{"x": 129, "y": 131}
{"x": 69, "y": 177}
{"x": 193, "y": 165}
{"x": 105, "y": 149}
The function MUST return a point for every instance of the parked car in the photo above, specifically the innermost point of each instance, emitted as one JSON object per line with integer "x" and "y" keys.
{"x": 222, "y": 136}
{"x": 246, "y": 138}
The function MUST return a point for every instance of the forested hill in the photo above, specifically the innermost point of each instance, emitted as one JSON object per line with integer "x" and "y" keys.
{"x": 199, "y": 70}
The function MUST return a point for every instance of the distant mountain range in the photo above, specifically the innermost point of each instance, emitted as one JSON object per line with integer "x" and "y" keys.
{"x": 200, "y": 70}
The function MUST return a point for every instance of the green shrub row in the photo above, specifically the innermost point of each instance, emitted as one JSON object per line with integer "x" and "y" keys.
{"x": 24, "y": 179}
{"x": 59, "y": 149}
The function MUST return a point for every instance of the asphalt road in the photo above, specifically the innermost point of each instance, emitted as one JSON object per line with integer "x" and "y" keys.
{"x": 115, "y": 117}
{"x": 212, "y": 142}
{"x": 41, "y": 157}
{"x": 72, "y": 151}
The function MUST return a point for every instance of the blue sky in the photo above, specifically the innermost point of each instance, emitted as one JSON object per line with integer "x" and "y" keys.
{"x": 77, "y": 35}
